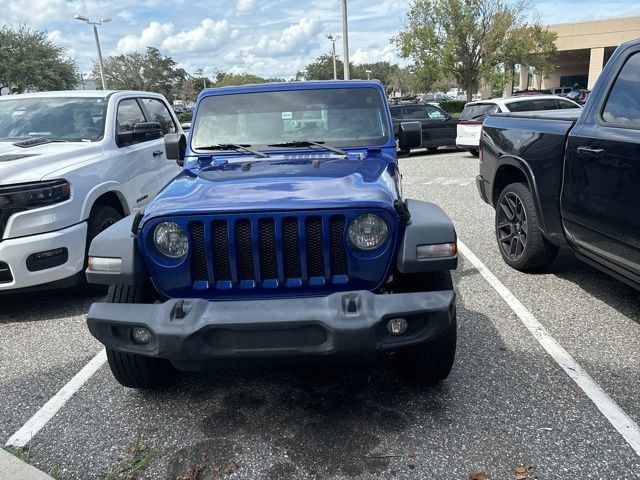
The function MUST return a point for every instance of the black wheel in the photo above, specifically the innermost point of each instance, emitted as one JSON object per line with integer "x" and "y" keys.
{"x": 101, "y": 218}
{"x": 474, "y": 152}
{"x": 518, "y": 233}
{"x": 131, "y": 370}
{"x": 432, "y": 149}
{"x": 430, "y": 362}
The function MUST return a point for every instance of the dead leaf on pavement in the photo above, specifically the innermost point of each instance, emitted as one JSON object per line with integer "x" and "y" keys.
{"x": 412, "y": 454}
{"x": 478, "y": 476}
{"x": 522, "y": 472}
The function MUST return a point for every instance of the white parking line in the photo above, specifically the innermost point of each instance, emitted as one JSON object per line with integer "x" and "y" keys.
{"x": 55, "y": 403}
{"x": 609, "y": 408}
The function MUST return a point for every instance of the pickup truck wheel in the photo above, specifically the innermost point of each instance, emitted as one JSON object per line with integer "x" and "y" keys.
{"x": 430, "y": 362}
{"x": 520, "y": 239}
{"x": 101, "y": 218}
{"x": 131, "y": 370}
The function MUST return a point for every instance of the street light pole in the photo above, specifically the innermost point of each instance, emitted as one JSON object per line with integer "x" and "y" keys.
{"x": 95, "y": 34}
{"x": 333, "y": 39}
{"x": 345, "y": 40}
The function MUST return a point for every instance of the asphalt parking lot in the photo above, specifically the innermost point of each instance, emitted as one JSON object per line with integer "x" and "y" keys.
{"x": 508, "y": 409}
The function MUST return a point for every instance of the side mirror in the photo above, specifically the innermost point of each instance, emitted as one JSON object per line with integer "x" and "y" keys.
{"x": 175, "y": 147}
{"x": 410, "y": 135}
{"x": 186, "y": 126}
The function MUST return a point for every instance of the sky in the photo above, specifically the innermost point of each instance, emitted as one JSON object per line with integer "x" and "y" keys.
{"x": 270, "y": 38}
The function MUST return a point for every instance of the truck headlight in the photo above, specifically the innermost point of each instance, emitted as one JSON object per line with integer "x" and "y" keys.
{"x": 24, "y": 196}
{"x": 368, "y": 231}
{"x": 170, "y": 240}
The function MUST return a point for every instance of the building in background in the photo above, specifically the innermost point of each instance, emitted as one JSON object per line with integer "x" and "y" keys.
{"x": 583, "y": 50}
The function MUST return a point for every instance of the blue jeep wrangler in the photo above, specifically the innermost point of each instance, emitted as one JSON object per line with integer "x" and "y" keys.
{"x": 285, "y": 239}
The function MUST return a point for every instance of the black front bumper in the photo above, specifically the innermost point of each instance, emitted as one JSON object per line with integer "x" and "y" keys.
{"x": 192, "y": 332}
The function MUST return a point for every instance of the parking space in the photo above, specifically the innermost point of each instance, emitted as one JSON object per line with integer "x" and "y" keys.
{"x": 506, "y": 404}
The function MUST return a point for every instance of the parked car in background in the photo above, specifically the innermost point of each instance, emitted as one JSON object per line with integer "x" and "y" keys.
{"x": 579, "y": 96}
{"x": 434, "y": 98}
{"x": 438, "y": 127}
{"x": 561, "y": 91}
{"x": 570, "y": 178}
{"x": 474, "y": 113}
{"x": 531, "y": 92}
{"x": 71, "y": 164}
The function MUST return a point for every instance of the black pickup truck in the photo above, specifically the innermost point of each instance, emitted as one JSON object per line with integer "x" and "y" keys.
{"x": 570, "y": 177}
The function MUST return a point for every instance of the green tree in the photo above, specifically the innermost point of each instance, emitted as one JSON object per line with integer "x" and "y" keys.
{"x": 322, "y": 69}
{"x": 404, "y": 82}
{"x": 468, "y": 39}
{"x": 149, "y": 71}
{"x": 378, "y": 70}
{"x": 30, "y": 61}
{"x": 229, "y": 79}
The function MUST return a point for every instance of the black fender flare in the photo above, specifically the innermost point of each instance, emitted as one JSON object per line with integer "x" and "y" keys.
{"x": 429, "y": 225}
{"x": 118, "y": 241}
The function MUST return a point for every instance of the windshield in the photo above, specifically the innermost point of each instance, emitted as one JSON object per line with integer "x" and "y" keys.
{"x": 62, "y": 118}
{"x": 340, "y": 117}
{"x": 478, "y": 111}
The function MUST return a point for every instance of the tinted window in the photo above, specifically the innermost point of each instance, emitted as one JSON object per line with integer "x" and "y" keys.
{"x": 562, "y": 104}
{"x": 623, "y": 104}
{"x": 396, "y": 112}
{"x": 435, "y": 113}
{"x": 533, "y": 105}
{"x": 159, "y": 113}
{"x": 129, "y": 114}
{"x": 413, "y": 112}
{"x": 478, "y": 111}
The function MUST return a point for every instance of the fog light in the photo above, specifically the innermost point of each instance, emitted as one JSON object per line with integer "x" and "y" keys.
{"x": 141, "y": 335}
{"x": 397, "y": 326}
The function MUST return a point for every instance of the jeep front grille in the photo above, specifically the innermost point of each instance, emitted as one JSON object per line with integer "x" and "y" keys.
{"x": 269, "y": 251}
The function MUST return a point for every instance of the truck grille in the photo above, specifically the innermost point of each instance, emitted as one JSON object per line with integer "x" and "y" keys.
{"x": 268, "y": 251}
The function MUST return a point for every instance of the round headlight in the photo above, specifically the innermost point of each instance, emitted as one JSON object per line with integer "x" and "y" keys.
{"x": 368, "y": 231}
{"x": 170, "y": 240}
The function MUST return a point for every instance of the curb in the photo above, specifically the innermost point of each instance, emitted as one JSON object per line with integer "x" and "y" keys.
{"x": 12, "y": 468}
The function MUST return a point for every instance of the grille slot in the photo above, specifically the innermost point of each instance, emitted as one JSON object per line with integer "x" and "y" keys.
{"x": 338, "y": 255}
{"x": 315, "y": 253}
{"x": 267, "y": 246}
{"x": 198, "y": 254}
{"x": 244, "y": 257}
{"x": 291, "y": 248}
{"x": 5, "y": 273}
{"x": 221, "y": 256}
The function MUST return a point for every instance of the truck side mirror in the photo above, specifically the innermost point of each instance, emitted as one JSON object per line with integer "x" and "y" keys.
{"x": 410, "y": 135}
{"x": 175, "y": 147}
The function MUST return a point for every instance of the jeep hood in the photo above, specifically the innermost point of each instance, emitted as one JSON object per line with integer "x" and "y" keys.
{"x": 32, "y": 164}
{"x": 279, "y": 184}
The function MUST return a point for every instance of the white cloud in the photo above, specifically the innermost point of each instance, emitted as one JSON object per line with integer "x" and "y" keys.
{"x": 372, "y": 55}
{"x": 209, "y": 35}
{"x": 244, "y": 5}
{"x": 295, "y": 38}
{"x": 152, "y": 36}
{"x": 127, "y": 16}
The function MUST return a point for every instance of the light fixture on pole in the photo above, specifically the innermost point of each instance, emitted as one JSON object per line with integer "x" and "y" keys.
{"x": 82, "y": 18}
{"x": 368, "y": 74}
{"x": 345, "y": 40}
{"x": 333, "y": 40}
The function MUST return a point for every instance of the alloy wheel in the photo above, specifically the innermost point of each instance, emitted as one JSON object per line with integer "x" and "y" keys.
{"x": 511, "y": 227}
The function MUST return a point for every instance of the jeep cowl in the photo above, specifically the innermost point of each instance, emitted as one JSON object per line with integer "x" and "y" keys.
{"x": 284, "y": 240}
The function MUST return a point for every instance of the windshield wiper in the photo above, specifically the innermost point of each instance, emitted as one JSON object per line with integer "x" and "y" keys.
{"x": 307, "y": 143}
{"x": 233, "y": 146}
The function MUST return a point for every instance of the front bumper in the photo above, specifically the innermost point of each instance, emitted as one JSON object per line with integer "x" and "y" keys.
{"x": 348, "y": 325}
{"x": 15, "y": 251}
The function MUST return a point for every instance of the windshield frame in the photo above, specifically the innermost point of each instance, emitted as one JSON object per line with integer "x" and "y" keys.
{"x": 64, "y": 99}
{"x": 385, "y": 118}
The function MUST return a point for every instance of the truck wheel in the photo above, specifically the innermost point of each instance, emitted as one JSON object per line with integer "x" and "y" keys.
{"x": 430, "y": 362}
{"x": 474, "y": 152}
{"x": 518, "y": 233}
{"x": 101, "y": 218}
{"x": 131, "y": 370}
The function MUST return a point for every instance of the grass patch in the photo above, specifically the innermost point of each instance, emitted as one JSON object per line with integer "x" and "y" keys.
{"x": 138, "y": 456}
{"x": 23, "y": 453}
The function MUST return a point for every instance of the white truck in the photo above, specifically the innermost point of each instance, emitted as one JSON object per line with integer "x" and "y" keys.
{"x": 71, "y": 164}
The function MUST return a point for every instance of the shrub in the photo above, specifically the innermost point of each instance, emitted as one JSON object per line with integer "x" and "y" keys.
{"x": 452, "y": 106}
{"x": 185, "y": 117}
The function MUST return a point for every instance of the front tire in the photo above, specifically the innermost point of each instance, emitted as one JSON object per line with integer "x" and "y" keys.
{"x": 521, "y": 242}
{"x": 430, "y": 362}
{"x": 131, "y": 370}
